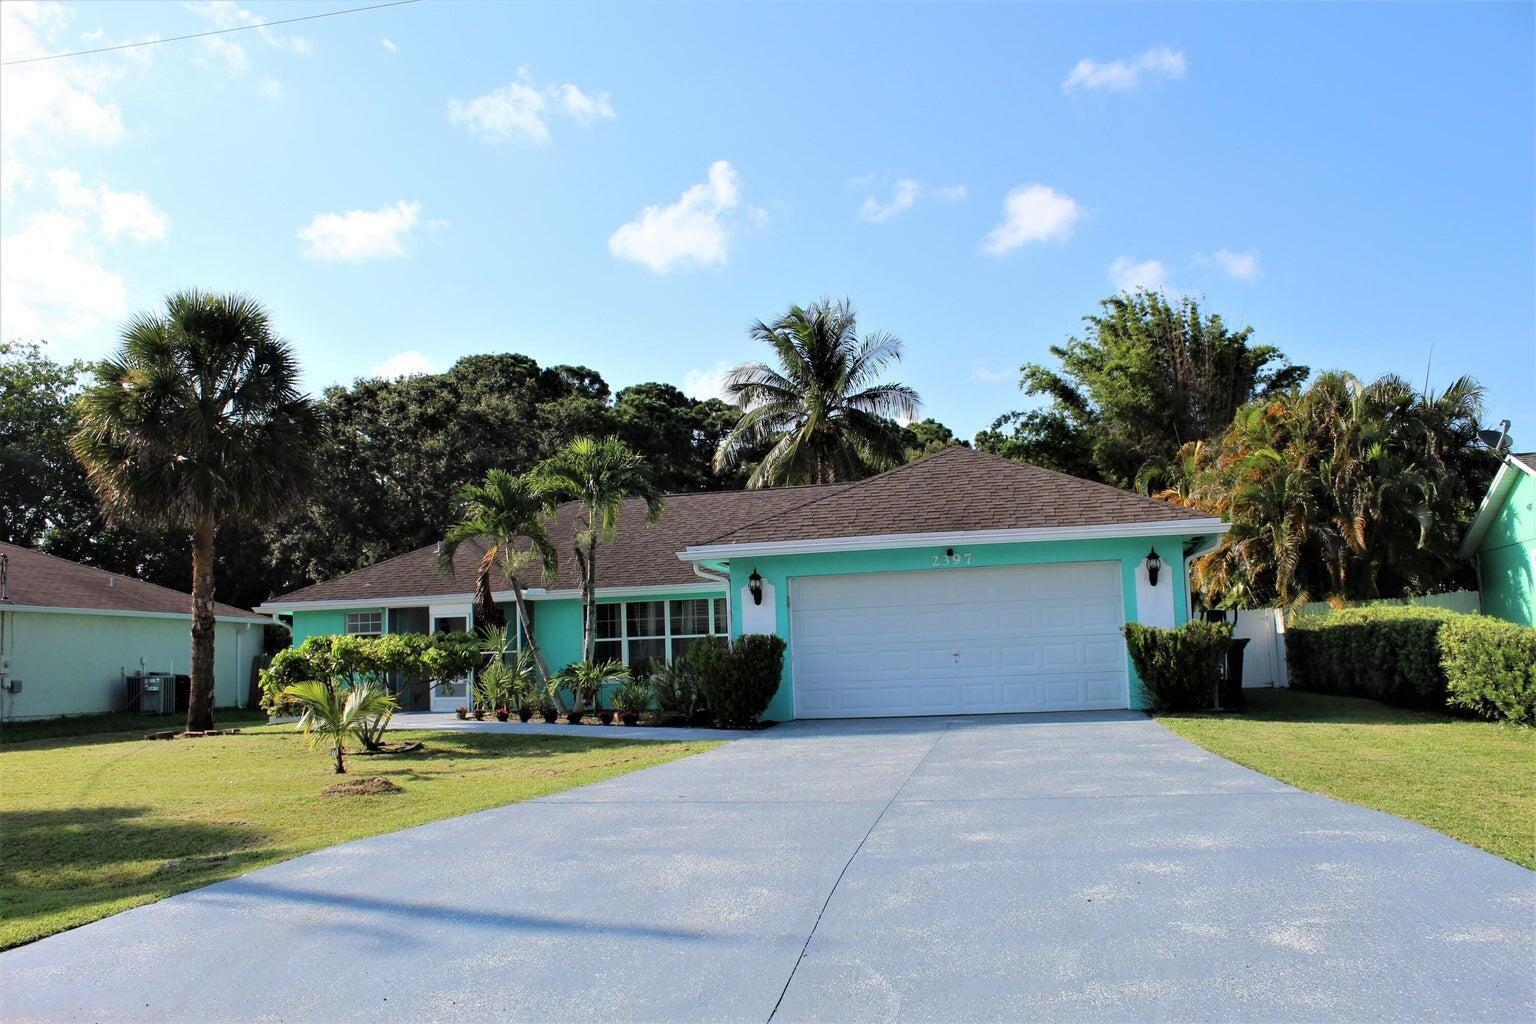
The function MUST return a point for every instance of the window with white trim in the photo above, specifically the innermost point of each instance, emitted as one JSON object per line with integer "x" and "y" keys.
{"x": 365, "y": 624}
{"x": 641, "y": 632}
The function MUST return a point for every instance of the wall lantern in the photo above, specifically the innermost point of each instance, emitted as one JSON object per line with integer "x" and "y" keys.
{"x": 1154, "y": 566}
{"x": 755, "y": 586}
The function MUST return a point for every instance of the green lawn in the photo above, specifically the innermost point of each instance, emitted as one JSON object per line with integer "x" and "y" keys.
{"x": 1475, "y": 781}
{"x": 120, "y": 721}
{"x": 94, "y": 825}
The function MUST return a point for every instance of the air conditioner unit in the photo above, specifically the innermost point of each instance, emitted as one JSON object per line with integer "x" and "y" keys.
{"x": 156, "y": 693}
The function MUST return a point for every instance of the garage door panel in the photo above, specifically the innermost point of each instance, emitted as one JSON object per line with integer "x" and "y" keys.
{"x": 959, "y": 641}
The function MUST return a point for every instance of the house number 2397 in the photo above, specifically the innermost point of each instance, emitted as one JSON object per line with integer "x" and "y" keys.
{"x": 951, "y": 558}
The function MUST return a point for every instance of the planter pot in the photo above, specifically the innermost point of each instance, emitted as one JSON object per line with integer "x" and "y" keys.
{"x": 463, "y": 713}
{"x": 630, "y": 718}
{"x": 550, "y": 717}
{"x": 573, "y": 717}
{"x": 479, "y": 715}
{"x": 523, "y": 714}
{"x": 501, "y": 715}
{"x": 606, "y": 717}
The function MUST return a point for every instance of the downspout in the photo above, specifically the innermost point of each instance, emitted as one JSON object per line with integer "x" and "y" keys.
{"x": 239, "y": 691}
{"x": 705, "y": 574}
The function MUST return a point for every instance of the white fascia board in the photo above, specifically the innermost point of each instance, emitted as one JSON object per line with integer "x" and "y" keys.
{"x": 1503, "y": 482}
{"x": 886, "y": 541}
{"x": 500, "y": 596}
{"x": 261, "y": 620}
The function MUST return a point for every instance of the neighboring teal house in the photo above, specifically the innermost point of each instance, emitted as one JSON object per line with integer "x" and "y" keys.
{"x": 1502, "y": 539}
{"x": 961, "y": 583}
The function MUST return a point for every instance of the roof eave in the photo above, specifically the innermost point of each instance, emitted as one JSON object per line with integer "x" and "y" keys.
{"x": 885, "y": 541}
{"x": 1498, "y": 490}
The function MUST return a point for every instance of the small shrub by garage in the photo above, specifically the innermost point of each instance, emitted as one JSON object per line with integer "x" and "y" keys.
{"x": 737, "y": 681}
{"x": 1490, "y": 667}
{"x": 1179, "y": 667}
{"x": 1389, "y": 654}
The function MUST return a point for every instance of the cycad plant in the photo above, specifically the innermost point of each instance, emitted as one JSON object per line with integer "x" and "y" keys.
{"x": 823, "y": 407}
{"x": 331, "y": 714}
{"x": 585, "y": 681}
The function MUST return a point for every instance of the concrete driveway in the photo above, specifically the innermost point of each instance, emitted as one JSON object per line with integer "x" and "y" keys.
{"x": 1073, "y": 867}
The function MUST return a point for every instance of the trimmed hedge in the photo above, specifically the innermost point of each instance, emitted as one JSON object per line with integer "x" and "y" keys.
{"x": 737, "y": 681}
{"x": 1490, "y": 667}
{"x": 1179, "y": 667}
{"x": 1426, "y": 658}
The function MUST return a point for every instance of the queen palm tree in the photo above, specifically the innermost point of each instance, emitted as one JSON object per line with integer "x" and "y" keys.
{"x": 507, "y": 511}
{"x": 601, "y": 475}
{"x": 197, "y": 420}
{"x": 823, "y": 407}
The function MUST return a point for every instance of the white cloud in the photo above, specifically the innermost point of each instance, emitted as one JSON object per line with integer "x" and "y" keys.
{"x": 706, "y": 383}
{"x": 361, "y": 235}
{"x": 119, "y": 213}
{"x": 404, "y": 364}
{"x": 904, "y": 195}
{"x": 522, "y": 109}
{"x": 53, "y": 99}
{"x": 228, "y": 14}
{"x": 388, "y": 44}
{"x": 1133, "y": 275}
{"x": 989, "y": 375}
{"x": 695, "y": 231}
{"x": 1243, "y": 265}
{"x": 52, "y": 284}
{"x": 270, "y": 88}
{"x": 1122, "y": 75}
{"x": 1033, "y": 213}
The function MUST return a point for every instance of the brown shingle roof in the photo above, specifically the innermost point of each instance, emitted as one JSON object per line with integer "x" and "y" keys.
{"x": 39, "y": 580}
{"x": 641, "y": 554}
{"x": 954, "y": 490}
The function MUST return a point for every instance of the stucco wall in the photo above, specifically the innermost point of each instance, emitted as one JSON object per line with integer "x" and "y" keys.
{"x": 72, "y": 664}
{"x": 1129, "y": 552}
{"x": 1507, "y": 557}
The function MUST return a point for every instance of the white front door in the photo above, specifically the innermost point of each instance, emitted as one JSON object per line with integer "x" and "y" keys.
{"x": 451, "y": 618}
{"x": 959, "y": 641}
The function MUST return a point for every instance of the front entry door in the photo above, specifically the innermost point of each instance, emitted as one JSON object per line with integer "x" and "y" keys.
{"x": 450, "y": 694}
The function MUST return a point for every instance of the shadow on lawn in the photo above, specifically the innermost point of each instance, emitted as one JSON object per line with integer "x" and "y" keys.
{"x": 445, "y": 745}
{"x": 69, "y": 843}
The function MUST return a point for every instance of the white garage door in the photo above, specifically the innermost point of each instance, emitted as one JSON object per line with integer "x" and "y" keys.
{"x": 959, "y": 641}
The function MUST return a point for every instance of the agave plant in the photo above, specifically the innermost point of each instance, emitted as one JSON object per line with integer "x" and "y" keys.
{"x": 331, "y": 715}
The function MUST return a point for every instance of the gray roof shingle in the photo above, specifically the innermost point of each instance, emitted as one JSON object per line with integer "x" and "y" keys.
{"x": 47, "y": 581}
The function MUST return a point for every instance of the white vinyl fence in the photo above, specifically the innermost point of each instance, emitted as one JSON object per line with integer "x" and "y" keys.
{"x": 1264, "y": 658}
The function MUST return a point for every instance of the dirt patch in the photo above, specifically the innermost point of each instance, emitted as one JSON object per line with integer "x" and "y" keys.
{"x": 371, "y": 785}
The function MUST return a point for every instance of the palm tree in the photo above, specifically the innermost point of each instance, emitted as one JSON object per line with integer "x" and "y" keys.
{"x": 507, "y": 510}
{"x": 601, "y": 475}
{"x": 823, "y": 407}
{"x": 197, "y": 420}
{"x": 331, "y": 714}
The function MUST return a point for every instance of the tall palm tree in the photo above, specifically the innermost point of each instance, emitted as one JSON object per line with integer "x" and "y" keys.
{"x": 507, "y": 510}
{"x": 823, "y": 406}
{"x": 197, "y": 420}
{"x": 601, "y": 475}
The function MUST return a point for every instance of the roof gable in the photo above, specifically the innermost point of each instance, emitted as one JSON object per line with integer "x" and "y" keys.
{"x": 958, "y": 490}
{"x": 39, "y": 580}
{"x": 1499, "y": 489}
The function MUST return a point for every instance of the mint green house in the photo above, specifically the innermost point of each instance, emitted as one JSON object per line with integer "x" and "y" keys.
{"x": 961, "y": 583}
{"x": 1502, "y": 541}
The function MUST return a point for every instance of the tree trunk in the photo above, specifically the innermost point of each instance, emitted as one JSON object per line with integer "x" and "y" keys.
{"x": 527, "y": 626}
{"x": 590, "y": 651}
{"x": 341, "y": 769}
{"x": 588, "y": 614}
{"x": 200, "y": 699}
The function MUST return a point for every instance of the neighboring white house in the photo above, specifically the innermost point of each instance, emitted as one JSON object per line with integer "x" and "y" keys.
{"x": 70, "y": 634}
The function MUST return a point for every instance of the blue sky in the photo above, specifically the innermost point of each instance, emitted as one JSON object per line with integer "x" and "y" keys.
{"x": 628, "y": 187}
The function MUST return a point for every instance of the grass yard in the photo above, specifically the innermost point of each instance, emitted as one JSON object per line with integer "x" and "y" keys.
{"x": 94, "y": 825}
{"x": 1475, "y": 781}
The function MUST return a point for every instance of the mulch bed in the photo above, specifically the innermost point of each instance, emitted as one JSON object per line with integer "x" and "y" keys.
{"x": 372, "y": 785}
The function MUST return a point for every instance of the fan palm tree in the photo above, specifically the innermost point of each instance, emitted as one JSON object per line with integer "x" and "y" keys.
{"x": 330, "y": 714}
{"x": 197, "y": 420}
{"x": 823, "y": 407}
{"x": 507, "y": 511}
{"x": 601, "y": 475}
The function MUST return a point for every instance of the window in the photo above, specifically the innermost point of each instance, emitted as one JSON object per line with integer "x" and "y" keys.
{"x": 641, "y": 632}
{"x": 365, "y": 623}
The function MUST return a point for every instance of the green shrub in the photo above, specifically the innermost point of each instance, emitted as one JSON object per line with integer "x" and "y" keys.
{"x": 1390, "y": 654}
{"x": 676, "y": 689}
{"x": 346, "y": 661}
{"x": 738, "y": 681}
{"x": 1490, "y": 667}
{"x": 1179, "y": 667}
{"x": 632, "y": 697}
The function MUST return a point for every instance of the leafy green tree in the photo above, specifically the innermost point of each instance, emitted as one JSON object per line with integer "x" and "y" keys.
{"x": 196, "y": 419}
{"x": 505, "y": 514}
{"x": 1149, "y": 376}
{"x": 678, "y": 435}
{"x": 601, "y": 475}
{"x": 1343, "y": 491}
{"x": 927, "y": 437}
{"x": 823, "y": 408}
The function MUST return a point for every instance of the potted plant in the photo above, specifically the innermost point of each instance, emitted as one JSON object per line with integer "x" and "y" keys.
{"x": 461, "y": 711}
{"x": 502, "y": 714}
{"x": 605, "y": 715}
{"x": 479, "y": 713}
{"x": 631, "y": 700}
{"x": 538, "y": 703}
